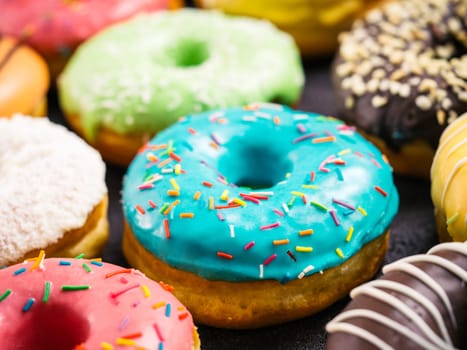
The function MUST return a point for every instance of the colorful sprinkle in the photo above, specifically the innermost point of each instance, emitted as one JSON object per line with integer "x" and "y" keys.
{"x": 305, "y": 232}
{"x": 117, "y": 272}
{"x": 280, "y": 241}
{"x": 174, "y": 184}
{"x": 324, "y": 139}
{"x": 305, "y": 271}
{"x": 126, "y": 342}
{"x": 270, "y": 226}
{"x": 106, "y": 346}
{"x": 261, "y": 270}
{"x": 187, "y": 215}
{"x": 158, "y": 331}
{"x": 146, "y": 291}
{"x": 343, "y": 204}
{"x": 319, "y": 205}
{"x": 97, "y": 263}
{"x": 334, "y": 217}
{"x": 182, "y": 316}
{"x": 140, "y": 209}
{"x": 250, "y": 198}
{"x": 220, "y": 216}
{"x": 211, "y": 203}
{"x": 38, "y": 261}
{"x": 339, "y": 253}
{"x": 249, "y": 245}
{"x": 145, "y": 186}
{"x": 19, "y": 271}
{"x": 207, "y": 184}
{"x": 167, "y": 310}
{"x": 64, "y": 263}
{"x": 173, "y": 193}
{"x": 166, "y": 228}
{"x": 175, "y": 157}
{"x": 5, "y": 294}
{"x": 278, "y": 212}
{"x": 68, "y": 288}
{"x": 302, "y": 249}
{"x": 380, "y": 190}
{"x": 349, "y": 234}
{"x": 86, "y": 268}
{"x": 291, "y": 255}
{"x": 239, "y": 201}
{"x": 340, "y": 177}
{"x": 152, "y": 204}
{"x": 362, "y": 211}
{"x": 270, "y": 259}
{"x": 28, "y": 304}
{"x": 304, "y": 137}
{"x": 225, "y": 195}
{"x": 197, "y": 195}
{"x": 225, "y": 255}
{"x": 232, "y": 231}
{"x": 159, "y": 305}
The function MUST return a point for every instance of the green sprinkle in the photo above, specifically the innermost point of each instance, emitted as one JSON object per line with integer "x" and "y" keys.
{"x": 5, "y": 295}
{"x": 164, "y": 207}
{"x": 291, "y": 201}
{"x": 79, "y": 256}
{"x": 45, "y": 298}
{"x": 319, "y": 205}
{"x": 87, "y": 268}
{"x": 66, "y": 288}
{"x": 452, "y": 218}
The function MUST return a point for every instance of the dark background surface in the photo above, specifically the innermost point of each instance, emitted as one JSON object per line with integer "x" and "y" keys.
{"x": 412, "y": 232}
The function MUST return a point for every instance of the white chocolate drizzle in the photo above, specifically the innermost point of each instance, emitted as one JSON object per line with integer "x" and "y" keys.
{"x": 428, "y": 339}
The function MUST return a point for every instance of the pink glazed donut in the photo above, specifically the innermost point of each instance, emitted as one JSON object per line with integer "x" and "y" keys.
{"x": 82, "y": 304}
{"x": 56, "y": 27}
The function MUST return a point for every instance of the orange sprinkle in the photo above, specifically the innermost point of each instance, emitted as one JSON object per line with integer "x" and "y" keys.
{"x": 79, "y": 347}
{"x": 214, "y": 145}
{"x": 140, "y": 209}
{"x": 173, "y": 193}
{"x": 96, "y": 259}
{"x": 171, "y": 206}
{"x": 233, "y": 205}
{"x": 187, "y": 215}
{"x": 152, "y": 204}
{"x": 152, "y": 158}
{"x": 222, "y": 120}
{"x": 276, "y": 120}
{"x": 132, "y": 336}
{"x": 306, "y": 232}
{"x": 166, "y": 286}
{"x": 197, "y": 195}
{"x": 385, "y": 158}
{"x": 117, "y": 272}
{"x": 164, "y": 162}
{"x": 156, "y": 147}
{"x": 175, "y": 157}
{"x": 324, "y": 139}
{"x": 207, "y": 184}
{"x": 38, "y": 260}
{"x": 166, "y": 228}
{"x": 280, "y": 241}
{"x": 225, "y": 255}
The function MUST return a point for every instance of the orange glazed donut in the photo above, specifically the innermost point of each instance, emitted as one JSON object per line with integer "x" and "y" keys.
{"x": 24, "y": 79}
{"x": 80, "y": 304}
{"x": 56, "y": 27}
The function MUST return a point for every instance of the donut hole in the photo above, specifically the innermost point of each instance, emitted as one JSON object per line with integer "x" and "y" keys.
{"x": 189, "y": 52}
{"x": 54, "y": 326}
{"x": 254, "y": 167}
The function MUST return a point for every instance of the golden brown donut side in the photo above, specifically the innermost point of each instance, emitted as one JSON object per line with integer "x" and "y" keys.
{"x": 241, "y": 305}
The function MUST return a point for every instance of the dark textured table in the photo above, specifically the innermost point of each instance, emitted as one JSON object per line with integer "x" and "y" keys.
{"x": 412, "y": 232}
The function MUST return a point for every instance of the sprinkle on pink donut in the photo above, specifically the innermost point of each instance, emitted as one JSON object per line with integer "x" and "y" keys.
{"x": 87, "y": 304}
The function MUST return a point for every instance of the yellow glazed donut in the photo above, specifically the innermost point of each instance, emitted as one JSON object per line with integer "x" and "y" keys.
{"x": 52, "y": 192}
{"x": 449, "y": 182}
{"x": 314, "y": 25}
{"x": 24, "y": 79}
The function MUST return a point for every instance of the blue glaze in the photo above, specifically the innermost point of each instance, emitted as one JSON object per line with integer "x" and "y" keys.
{"x": 255, "y": 147}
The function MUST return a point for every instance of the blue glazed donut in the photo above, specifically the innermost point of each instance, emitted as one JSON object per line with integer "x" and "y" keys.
{"x": 252, "y": 194}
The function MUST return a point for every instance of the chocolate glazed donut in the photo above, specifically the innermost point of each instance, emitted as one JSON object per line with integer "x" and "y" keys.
{"x": 419, "y": 303}
{"x": 401, "y": 73}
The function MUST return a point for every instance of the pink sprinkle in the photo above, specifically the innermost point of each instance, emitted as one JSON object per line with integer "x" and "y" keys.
{"x": 304, "y": 199}
{"x": 324, "y": 162}
{"x": 222, "y": 180}
{"x": 301, "y": 128}
{"x": 249, "y": 245}
{"x": 123, "y": 291}
{"x": 151, "y": 164}
{"x": 220, "y": 216}
{"x": 278, "y": 212}
{"x": 375, "y": 162}
{"x": 312, "y": 176}
{"x": 249, "y": 198}
{"x": 327, "y": 133}
{"x": 304, "y": 137}
{"x": 123, "y": 280}
{"x": 152, "y": 204}
{"x": 344, "y": 127}
{"x": 158, "y": 332}
{"x": 334, "y": 217}
{"x": 268, "y": 227}
{"x": 357, "y": 153}
{"x": 270, "y": 259}
{"x": 346, "y": 205}
{"x": 145, "y": 186}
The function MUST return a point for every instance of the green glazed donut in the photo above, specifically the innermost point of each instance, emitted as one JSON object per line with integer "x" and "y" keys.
{"x": 138, "y": 77}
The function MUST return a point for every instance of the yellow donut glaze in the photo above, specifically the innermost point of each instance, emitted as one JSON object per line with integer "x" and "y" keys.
{"x": 449, "y": 181}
